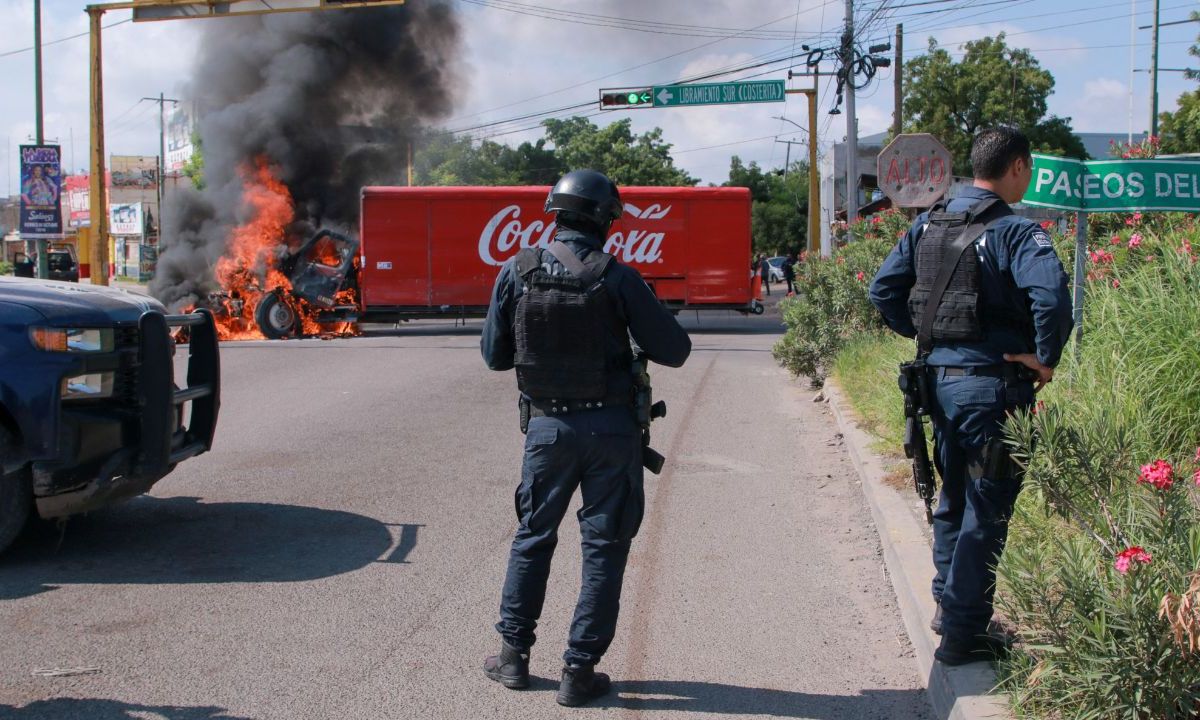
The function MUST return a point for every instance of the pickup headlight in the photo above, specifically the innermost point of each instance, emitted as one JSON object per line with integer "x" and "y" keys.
{"x": 91, "y": 385}
{"x": 79, "y": 340}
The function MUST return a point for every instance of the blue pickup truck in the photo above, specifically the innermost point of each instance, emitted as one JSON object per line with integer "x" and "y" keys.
{"x": 90, "y": 410}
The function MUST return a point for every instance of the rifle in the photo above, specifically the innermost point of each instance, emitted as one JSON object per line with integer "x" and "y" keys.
{"x": 914, "y": 383}
{"x": 646, "y": 411}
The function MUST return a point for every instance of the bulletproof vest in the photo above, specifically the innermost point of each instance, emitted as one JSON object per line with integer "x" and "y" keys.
{"x": 561, "y": 325}
{"x": 956, "y": 318}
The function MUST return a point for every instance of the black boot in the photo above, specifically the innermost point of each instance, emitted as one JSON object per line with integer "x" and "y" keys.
{"x": 960, "y": 650}
{"x": 581, "y": 684}
{"x": 510, "y": 668}
{"x": 936, "y": 623}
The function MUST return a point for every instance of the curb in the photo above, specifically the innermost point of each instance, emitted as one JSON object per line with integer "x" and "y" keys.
{"x": 956, "y": 693}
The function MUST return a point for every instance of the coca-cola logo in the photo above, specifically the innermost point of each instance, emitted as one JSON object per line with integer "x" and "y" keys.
{"x": 505, "y": 234}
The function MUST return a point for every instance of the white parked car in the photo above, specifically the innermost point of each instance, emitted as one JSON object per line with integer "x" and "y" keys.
{"x": 776, "y": 264}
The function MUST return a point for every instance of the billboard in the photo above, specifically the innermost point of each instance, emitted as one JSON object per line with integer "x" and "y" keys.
{"x": 134, "y": 171}
{"x": 41, "y": 189}
{"x": 126, "y": 219}
{"x": 180, "y": 127}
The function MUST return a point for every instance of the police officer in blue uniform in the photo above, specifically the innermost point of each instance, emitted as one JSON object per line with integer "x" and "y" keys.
{"x": 563, "y": 317}
{"x": 999, "y": 327}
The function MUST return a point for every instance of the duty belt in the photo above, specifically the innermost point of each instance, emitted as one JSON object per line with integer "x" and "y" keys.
{"x": 1011, "y": 373}
{"x": 543, "y": 408}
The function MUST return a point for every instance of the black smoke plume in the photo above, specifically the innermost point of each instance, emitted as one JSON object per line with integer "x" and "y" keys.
{"x": 328, "y": 99}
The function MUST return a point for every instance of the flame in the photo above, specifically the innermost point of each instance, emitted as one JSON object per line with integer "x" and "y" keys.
{"x": 248, "y": 272}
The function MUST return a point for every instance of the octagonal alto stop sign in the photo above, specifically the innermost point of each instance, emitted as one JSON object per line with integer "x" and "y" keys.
{"x": 914, "y": 170}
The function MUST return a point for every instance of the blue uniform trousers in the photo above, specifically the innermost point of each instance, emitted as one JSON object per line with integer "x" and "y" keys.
{"x": 598, "y": 451}
{"x": 970, "y": 524}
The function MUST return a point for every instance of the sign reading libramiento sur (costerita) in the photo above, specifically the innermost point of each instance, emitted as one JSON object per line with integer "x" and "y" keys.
{"x": 1114, "y": 185}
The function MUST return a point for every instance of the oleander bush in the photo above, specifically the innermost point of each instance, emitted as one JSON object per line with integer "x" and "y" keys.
{"x": 1102, "y": 573}
{"x": 830, "y": 306}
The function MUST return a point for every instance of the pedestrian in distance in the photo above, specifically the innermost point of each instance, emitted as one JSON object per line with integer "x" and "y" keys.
{"x": 789, "y": 273}
{"x": 563, "y": 317}
{"x": 764, "y": 272}
{"x": 986, "y": 297}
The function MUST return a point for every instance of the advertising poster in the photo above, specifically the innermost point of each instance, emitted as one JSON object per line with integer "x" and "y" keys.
{"x": 76, "y": 198}
{"x": 179, "y": 138}
{"x": 134, "y": 171}
{"x": 41, "y": 189}
{"x": 126, "y": 219}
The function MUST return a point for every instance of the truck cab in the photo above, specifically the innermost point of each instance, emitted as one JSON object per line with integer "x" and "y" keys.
{"x": 90, "y": 410}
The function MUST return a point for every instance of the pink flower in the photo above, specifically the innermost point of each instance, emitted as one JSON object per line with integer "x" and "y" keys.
{"x": 1116, "y": 240}
{"x": 1127, "y": 557}
{"x": 1116, "y": 283}
{"x": 1048, "y": 225}
{"x": 1198, "y": 455}
{"x": 1135, "y": 240}
{"x": 860, "y": 276}
{"x": 1196, "y": 477}
{"x": 1159, "y": 473}
{"x": 1100, "y": 257}
{"x": 1040, "y": 407}
{"x": 876, "y": 219}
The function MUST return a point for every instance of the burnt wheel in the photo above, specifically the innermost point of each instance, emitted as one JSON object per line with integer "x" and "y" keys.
{"x": 276, "y": 317}
{"x": 16, "y": 492}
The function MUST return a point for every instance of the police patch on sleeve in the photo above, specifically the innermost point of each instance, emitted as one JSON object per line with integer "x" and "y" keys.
{"x": 1041, "y": 238}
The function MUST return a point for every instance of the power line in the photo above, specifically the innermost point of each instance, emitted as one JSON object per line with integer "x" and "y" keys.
{"x": 62, "y": 39}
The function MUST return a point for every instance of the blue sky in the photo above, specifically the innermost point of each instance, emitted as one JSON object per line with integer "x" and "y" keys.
{"x": 516, "y": 61}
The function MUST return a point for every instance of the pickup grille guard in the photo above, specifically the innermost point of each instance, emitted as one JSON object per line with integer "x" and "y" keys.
{"x": 161, "y": 446}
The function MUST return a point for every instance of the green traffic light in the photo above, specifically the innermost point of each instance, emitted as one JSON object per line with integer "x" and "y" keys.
{"x": 633, "y": 98}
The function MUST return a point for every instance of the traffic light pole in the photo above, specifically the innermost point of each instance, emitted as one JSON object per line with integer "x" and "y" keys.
{"x": 98, "y": 193}
{"x": 851, "y": 120}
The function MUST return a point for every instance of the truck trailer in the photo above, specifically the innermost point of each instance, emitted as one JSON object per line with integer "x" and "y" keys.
{"x": 427, "y": 252}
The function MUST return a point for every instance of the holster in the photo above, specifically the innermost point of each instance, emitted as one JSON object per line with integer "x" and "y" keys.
{"x": 526, "y": 409}
{"x": 993, "y": 462}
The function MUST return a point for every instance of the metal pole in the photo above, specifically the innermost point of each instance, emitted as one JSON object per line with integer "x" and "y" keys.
{"x": 98, "y": 195}
{"x": 851, "y": 120}
{"x": 898, "y": 89}
{"x": 43, "y": 246}
{"x": 410, "y": 168}
{"x": 1081, "y": 223}
{"x": 1132, "y": 61}
{"x": 814, "y": 178}
{"x": 162, "y": 156}
{"x": 787, "y": 159}
{"x": 1154, "y": 74}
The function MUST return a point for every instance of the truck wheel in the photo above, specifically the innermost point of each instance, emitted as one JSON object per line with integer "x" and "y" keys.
{"x": 275, "y": 317}
{"x": 16, "y": 494}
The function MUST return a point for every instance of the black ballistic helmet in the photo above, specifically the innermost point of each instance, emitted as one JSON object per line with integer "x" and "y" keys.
{"x": 585, "y": 195}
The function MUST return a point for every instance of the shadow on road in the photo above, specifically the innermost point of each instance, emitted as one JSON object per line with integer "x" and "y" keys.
{"x": 95, "y": 709}
{"x": 184, "y": 540}
{"x": 719, "y": 698}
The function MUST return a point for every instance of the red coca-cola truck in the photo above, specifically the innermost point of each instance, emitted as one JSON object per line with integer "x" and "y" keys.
{"x": 435, "y": 251}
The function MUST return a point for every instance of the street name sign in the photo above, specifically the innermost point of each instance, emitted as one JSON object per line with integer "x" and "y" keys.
{"x": 914, "y": 170}
{"x": 1114, "y": 185}
{"x": 731, "y": 93}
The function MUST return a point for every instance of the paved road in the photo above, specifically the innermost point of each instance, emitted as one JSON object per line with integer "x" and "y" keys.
{"x": 339, "y": 554}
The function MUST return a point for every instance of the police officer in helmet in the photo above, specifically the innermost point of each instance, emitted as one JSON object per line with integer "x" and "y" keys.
{"x": 563, "y": 317}
{"x": 990, "y": 328}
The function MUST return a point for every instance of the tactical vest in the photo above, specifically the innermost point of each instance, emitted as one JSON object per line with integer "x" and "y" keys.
{"x": 560, "y": 326}
{"x": 956, "y": 318}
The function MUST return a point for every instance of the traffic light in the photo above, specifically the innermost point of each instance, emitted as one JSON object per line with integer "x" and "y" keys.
{"x": 615, "y": 99}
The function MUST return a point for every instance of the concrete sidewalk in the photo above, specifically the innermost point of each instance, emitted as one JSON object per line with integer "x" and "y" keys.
{"x": 956, "y": 693}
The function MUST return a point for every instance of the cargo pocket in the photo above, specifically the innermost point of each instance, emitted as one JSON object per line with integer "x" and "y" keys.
{"x": 978, "y": 410}
{"x": 997, "y": 499}
{"x": 538, "y": 444}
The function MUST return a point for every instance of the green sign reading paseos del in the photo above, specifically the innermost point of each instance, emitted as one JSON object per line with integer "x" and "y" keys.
{"x": 1114, "y": 185}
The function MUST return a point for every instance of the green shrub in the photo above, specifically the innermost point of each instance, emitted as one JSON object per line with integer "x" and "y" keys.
{"x": 6, "y": 268}
{"x": 831, "y": 306}
{"x": 1095, "y": 643}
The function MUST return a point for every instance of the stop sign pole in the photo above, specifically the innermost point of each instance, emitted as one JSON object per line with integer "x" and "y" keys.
{"x": 914, "y": 170}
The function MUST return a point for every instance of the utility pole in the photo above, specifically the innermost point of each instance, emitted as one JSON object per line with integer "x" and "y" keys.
{"x": 788, "y": 162}
{"x": 98, "y": 189}
{"x": 847, "y": 70}
{"x": 43, "y": 247}
{"x": 1154, "y": 73}
{"x": 898, "y": 116}
{"x": 162, "y": 152}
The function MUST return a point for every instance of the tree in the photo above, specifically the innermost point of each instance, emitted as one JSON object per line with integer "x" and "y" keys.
{"x": 614, "y": 150}
{"x": 779, "y": 205}
{"x": 193, "y": 168}
{"x": 992, "y": 85}
{"x": 1180, "y": 130}
{"x": 448, "y": 160}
